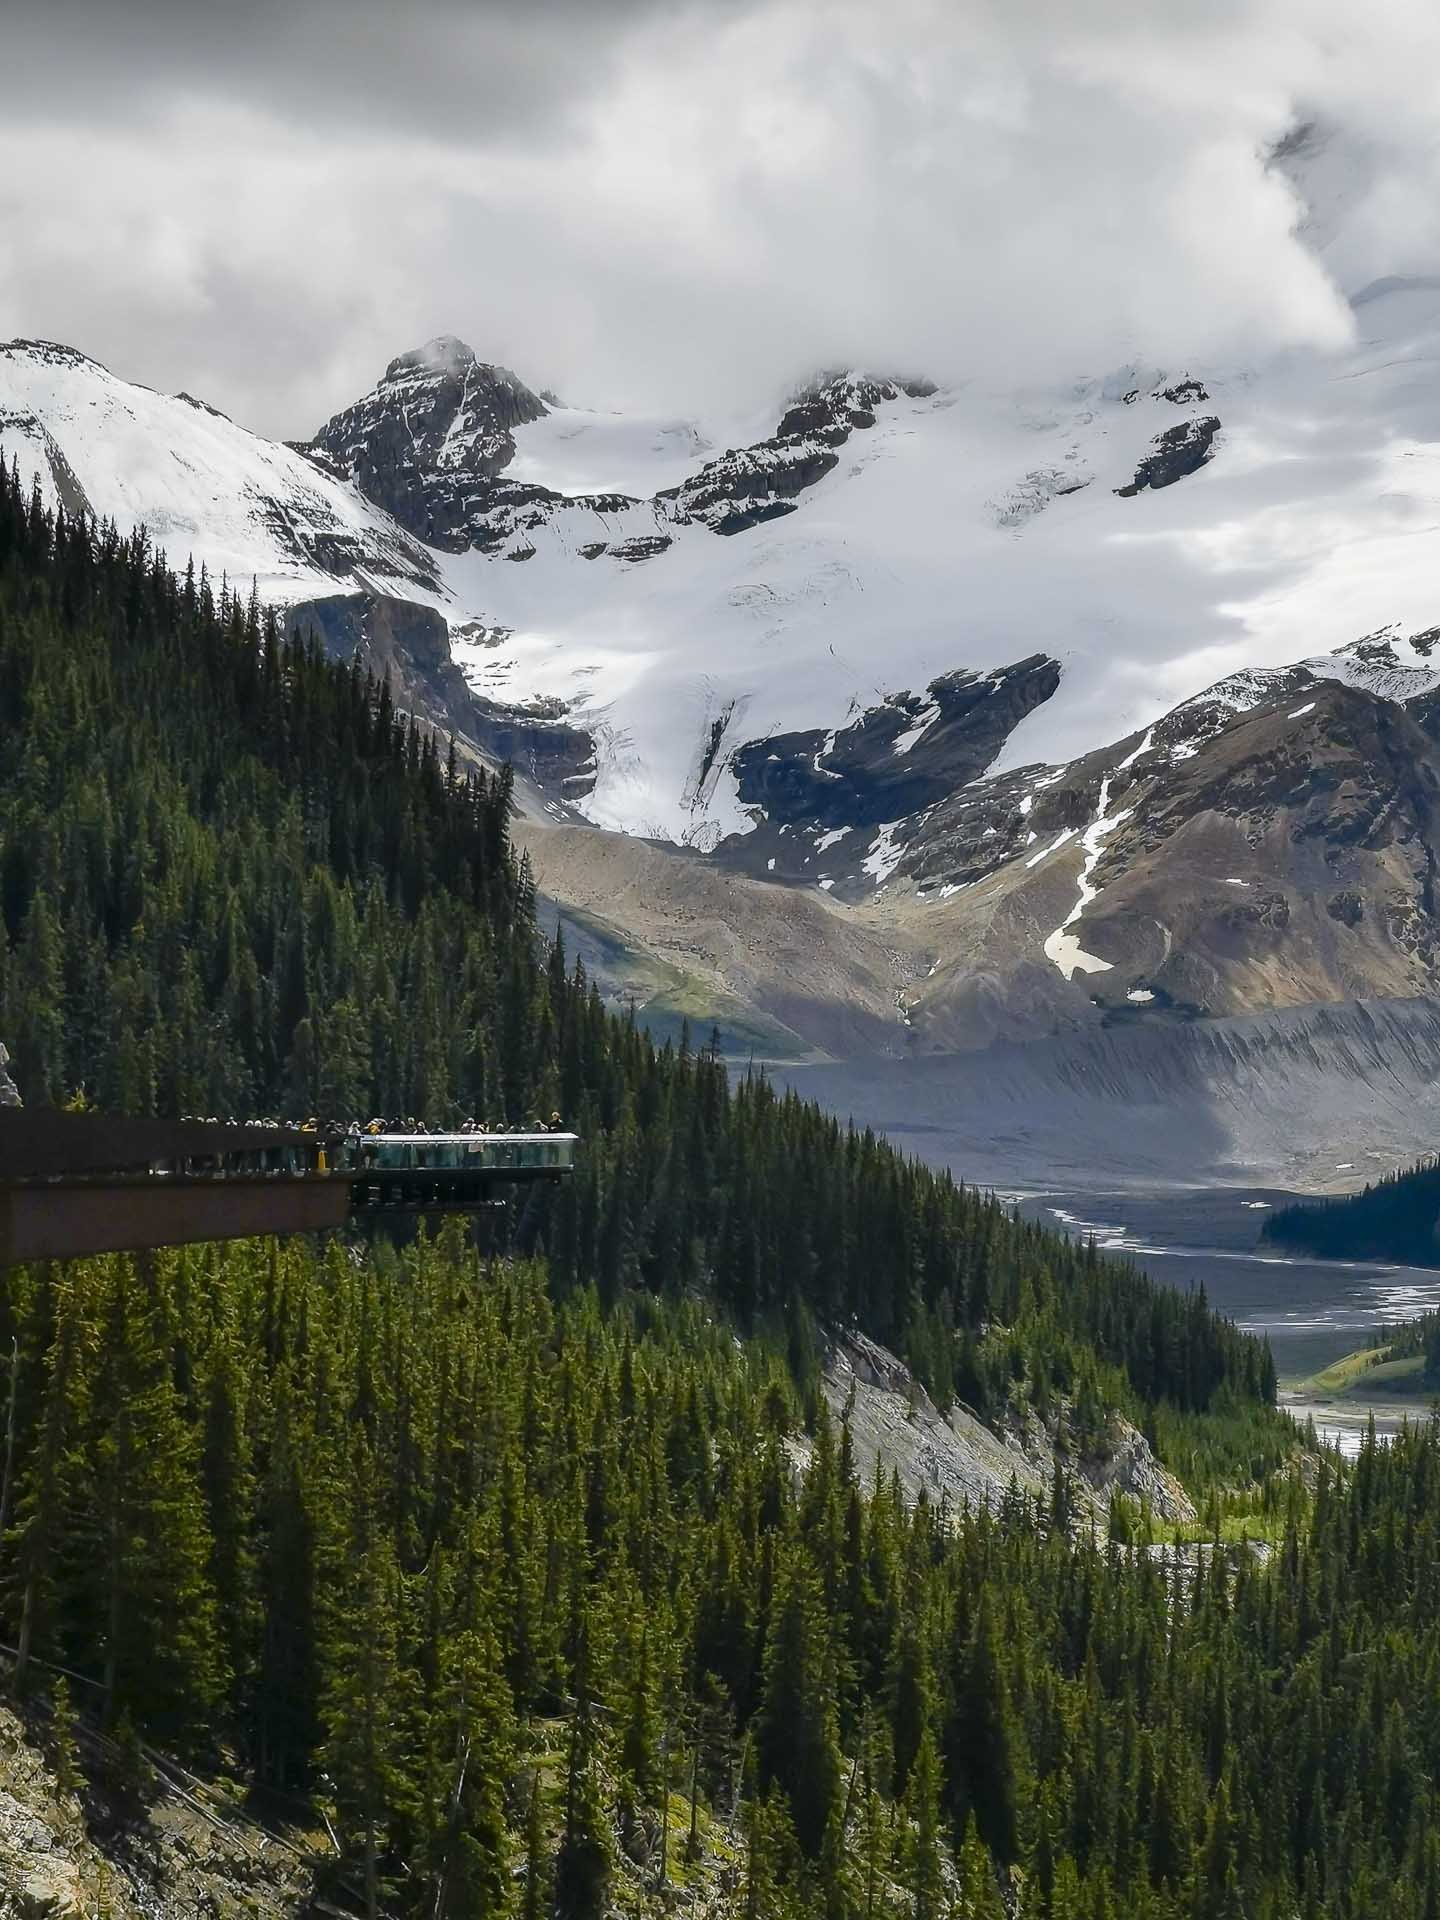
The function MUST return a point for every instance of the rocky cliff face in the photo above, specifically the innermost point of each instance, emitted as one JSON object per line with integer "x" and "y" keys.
{"x": 1179, "y": 450}
{"x": 823, "y": 802}
{"x": 748, "y": 485}
{"x": 424, "y": 443}
{"x": 955, "y": 1459}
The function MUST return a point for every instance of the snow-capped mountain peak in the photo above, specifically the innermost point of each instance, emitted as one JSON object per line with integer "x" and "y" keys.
{"x": 690, "y": 597}
{"x": 202, "y": 486}
{"x": 437, "y": 425}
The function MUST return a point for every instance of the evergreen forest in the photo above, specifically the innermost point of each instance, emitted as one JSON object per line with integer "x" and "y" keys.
{"x": 1391, "y": 1219}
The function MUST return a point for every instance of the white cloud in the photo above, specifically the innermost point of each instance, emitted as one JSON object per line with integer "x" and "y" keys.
{"x": 691, "y": 208}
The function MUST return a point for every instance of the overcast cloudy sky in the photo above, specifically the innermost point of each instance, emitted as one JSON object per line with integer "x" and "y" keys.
{"x": 679, "y": 205}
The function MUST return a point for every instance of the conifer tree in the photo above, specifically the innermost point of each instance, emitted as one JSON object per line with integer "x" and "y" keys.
{"x": 797, "y": 1744}
{"x": 364, "y": 1747}
{"x": 922, "y": 1802}
{"x": 984, "y": 1739}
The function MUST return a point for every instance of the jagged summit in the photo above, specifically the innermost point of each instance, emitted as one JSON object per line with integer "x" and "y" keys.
{"x": 437, "y": 426}
{"x": 448, "y": 358}
{"x": 49, "y": 353}
{"x": 444, "y": 354}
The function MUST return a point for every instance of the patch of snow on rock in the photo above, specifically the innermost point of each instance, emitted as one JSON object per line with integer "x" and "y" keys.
{"x": 1068, "y": 833}
{"x": 884, "y": 856}
{"x": 1063, "y": 947}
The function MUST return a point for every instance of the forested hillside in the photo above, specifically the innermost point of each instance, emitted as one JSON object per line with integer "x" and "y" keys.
{"x": 508, "y": 1583}
{"x": 1395, "y": 1219}
{"x": 1417, "y": 1339}
{"x": 233, "y": 881}
{"x": 489, "y": 1546}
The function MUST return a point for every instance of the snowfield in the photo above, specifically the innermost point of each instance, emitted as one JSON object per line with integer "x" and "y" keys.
{"x": 576, "y": 451}
{"x": 1316, "y": 521}
{"x": 249, "y": 509}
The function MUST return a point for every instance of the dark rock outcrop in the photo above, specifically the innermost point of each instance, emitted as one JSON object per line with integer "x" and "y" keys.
{"x": 746, "y": 486}
{"x": 1181, "y": 449}
{"x": 897, "y": 758}
{"x": 410, "y": 645}
{"x": 397, "y": 639}
{"x": 68, "y": 490}
{"x": 557, "y": 756}
{"x": 1184, "y": 393}
{"x": 973, "y": 831}
{"x": 423, "y": 445}
{"x": 641, "y": 546}
{"x": 819, "y": 798}
{"x": 749, "y": 485}
{"x": 493, "y": 512}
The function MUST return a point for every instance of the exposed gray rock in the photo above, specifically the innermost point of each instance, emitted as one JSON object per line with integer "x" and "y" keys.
{"x": 430, "y": 444}
{"x": 191, "y": 1850}
{"x": 68, "y": 490}
{"x": 410, "y": 644}
{"x": 1128, "y": 1466}
{"x": 399, "y": 639}
{"x": 558, "y": 757}
{"x": 1184, "y": 393}
{"x": 641, "y": 546}
{"x": 490, "y": 513}
{"x": 423, "y": 442}
{"x": 911, "y": 753}
{"x": 39, "y": 1880}
{"x": 971, "y": 832}
{"x": 1179, "y": 450}
{"x": 746, "y": 486}
{"x": 956, "y": 1459}
{"x": 9, "y": 1092}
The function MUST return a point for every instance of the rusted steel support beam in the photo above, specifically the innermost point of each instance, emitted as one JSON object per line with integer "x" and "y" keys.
{"x": 67, "y": 1221}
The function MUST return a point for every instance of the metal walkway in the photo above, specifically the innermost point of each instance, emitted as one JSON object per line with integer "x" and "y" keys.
{"x": 75, "y": 1184}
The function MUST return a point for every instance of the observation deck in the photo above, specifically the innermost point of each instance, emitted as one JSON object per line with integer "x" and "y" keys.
{"x": 76, "y": 1184}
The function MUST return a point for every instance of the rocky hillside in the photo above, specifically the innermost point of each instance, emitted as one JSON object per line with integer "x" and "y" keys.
{"x": 1271, "y": 843}
{"x": 956, "y": 1460}
{"x": 1268, "y": 844}
{"x": 88, "y": 1829}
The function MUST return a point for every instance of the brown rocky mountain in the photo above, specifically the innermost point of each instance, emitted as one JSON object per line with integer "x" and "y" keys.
{"x": 1269, "y": 846}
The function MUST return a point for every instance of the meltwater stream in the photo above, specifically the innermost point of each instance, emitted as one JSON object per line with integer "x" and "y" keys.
{"x": 1313, "y": 1311}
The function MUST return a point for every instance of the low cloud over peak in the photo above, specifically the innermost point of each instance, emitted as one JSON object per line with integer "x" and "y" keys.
{"x": 641, "y": 205}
